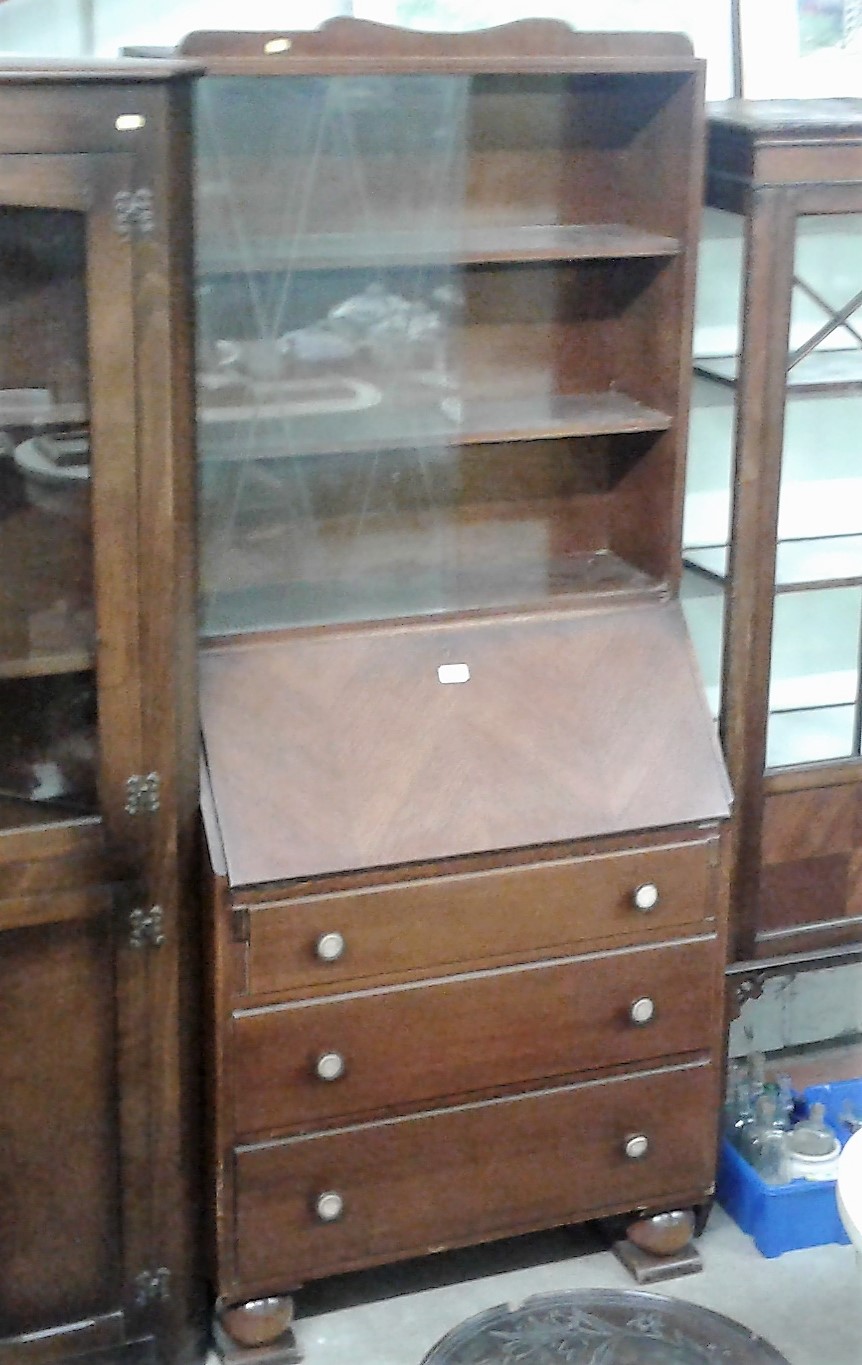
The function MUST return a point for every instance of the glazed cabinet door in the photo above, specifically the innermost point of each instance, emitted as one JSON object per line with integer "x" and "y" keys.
{"x": 73, "y": 1037}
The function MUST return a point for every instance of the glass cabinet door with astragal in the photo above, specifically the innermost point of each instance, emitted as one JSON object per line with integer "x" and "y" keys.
{"x": 773, "y": 521}
{"x": 66, "y": 517}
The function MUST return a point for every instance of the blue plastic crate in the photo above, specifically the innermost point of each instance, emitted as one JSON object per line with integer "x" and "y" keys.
{"x": 781, "y": 1218}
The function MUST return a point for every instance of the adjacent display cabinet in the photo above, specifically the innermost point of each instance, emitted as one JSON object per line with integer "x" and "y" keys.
{"x": 97, "y": 711}
{"x": 463, "y": 794}
{"x": 773, "y": 527}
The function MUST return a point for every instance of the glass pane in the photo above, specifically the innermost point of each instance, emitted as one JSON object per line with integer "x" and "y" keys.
{"x": 414, "y": 393}
{"x": 703, "y": 606}
{"x": 815, "y": 655}
{"x": 712, "y": 434}
{"x": 48, "y": 751}
{"x": 815, "y": 674}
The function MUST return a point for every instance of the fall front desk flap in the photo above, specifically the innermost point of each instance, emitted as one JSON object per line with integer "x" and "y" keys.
{"x": 365, "y": 747}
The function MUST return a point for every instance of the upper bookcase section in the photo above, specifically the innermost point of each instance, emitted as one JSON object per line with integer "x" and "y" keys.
{"x": 528, "y": 142}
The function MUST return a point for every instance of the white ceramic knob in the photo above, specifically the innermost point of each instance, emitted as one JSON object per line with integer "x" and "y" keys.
{"x": 642, "y": 1010}
{"x": 329, "y": 947}
{"x": 329, "y": 1206}
{"x": 329, "y": 1066}
{"x": 636, "y": 1146}
{"x": 645, "y": 896}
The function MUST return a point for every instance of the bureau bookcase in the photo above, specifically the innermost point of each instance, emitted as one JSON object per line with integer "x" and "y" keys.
{"x": 462, "y": 793}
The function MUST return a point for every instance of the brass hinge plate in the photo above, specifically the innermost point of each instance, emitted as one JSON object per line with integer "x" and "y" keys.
{"x": 147, "y": 928}
{"x": 134, "y": 213}
{"x": 143, "y": 793}
{"x": 152, "y": 1286}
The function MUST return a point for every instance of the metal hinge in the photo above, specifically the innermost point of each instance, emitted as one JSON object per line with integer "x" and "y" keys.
{"x": 146, "y": 928}
{"x": 134, "y": 214}
{"x": 241, "y": 924}
{"x": 152, "y": 1286}
{"x": 143, "y": 793}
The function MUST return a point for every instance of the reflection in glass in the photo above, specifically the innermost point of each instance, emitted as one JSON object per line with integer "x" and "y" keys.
{"x": 47, "y": 633}
{"x": 396, "y": 319}
{"x": 814, "y": 681}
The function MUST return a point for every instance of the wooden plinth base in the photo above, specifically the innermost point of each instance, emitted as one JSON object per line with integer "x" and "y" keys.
{"x": 282, "y": 1351}
{"x": 648, "y": 1269}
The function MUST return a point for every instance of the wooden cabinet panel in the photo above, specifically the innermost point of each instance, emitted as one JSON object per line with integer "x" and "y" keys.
{"x": 416, "y": 771}
{"x": 426, "y": 925}
{"x": 472, "y": 1172}
{"x": 60, "y": 1231}
{"x": 478, "y": 1032}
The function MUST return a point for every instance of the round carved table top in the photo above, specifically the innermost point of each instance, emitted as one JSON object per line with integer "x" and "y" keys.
{"x": 602, "y": 1327}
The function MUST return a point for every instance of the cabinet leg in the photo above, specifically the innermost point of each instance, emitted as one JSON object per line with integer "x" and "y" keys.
{"x": 257, "y": 1332}
{"x": 659, "y": 1246}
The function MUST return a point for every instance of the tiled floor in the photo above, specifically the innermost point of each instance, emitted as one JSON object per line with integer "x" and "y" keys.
{"x": 806, "y": 1303}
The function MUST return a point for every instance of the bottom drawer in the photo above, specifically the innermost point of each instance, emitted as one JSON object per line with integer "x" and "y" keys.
{"x": 412, "y": 1185}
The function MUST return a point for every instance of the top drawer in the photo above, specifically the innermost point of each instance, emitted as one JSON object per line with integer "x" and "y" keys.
{"x": 502, "y": 914}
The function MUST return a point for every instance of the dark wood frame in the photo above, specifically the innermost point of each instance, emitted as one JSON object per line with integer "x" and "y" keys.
{"x": 770, "y": 162}
{"x": 60, "y": 122}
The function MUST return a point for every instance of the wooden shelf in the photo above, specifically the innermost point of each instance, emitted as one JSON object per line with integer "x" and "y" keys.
{"x": 45, "y": 664}
{"x": 819, "y": 372}
{"x": 18, "y": 412}
{"x": 392, "y": 427}
{"x": 423, "y": 246}
{"x": 819, "y": 562}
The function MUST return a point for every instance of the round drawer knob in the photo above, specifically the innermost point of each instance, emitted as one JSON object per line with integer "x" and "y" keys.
{"x": 636, "y": 1146}
{"x": 329, "y": 1206}
{"x": 329, "y": 1066}
{"x": 329, "y": 947}
{"x": 642, "y": 1010}
{"x": 645, "y": 896}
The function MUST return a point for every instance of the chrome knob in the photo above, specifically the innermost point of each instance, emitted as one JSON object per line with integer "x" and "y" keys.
{"x": 329, "y": 947}
{"x": 636, "y": 1146}
{"x": 329, "y": 1066}
{"x": 642, "y": 1010}
{"x": 645, "y": 896}
{"x": 329, "y": 1206}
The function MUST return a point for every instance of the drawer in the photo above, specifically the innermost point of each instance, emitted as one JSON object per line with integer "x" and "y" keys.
{"x": 410, "y": 1185}
{"x": 313, "y": 1061}
{"x": 510, "y": 912}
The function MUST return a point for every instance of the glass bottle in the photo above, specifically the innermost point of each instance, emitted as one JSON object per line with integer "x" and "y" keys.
{"x": 767, "y": 1142}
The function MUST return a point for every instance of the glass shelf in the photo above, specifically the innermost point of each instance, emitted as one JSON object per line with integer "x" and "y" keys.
{"x": 417, "y": 245}
{"x": 821, "y": 371}
{"x": 818, "y": 562}
{"x": 815, "y": 735}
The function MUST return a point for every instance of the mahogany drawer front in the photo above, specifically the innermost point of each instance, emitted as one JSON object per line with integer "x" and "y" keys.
{"x": 459, "y": 1175}
{"x": 317, "y": 1060}
{"x": 509, "y": 912}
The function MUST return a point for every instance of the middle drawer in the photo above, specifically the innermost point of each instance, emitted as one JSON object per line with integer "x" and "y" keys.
{"x": 309, "y": 1062}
